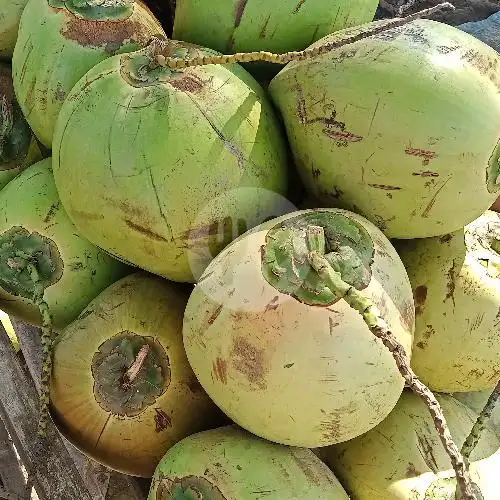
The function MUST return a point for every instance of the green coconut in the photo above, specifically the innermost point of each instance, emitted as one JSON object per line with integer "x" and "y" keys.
{"x": 35, "y": 229}
{"x": 60, "y": 40}
{"x": 456, "y": 286}
{"x": 476, "y": 400}
{"x": 403, "y": 458}
{"x": 402, "y": 127}
{"x": 18, "y": 146}
{"x": 10, "y": 14}
{"x": 122, "y": 389}
{"x": 230, "y": 464}
{"x": 179, "y": 163}
{"x": 274, "y": 25}
{"x": 282, "y": 355}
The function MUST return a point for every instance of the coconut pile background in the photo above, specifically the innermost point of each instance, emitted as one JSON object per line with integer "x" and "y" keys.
{"x": 262, "y": 275}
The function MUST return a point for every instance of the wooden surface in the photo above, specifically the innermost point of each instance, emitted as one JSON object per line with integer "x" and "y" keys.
{"x": 65, "y": 473}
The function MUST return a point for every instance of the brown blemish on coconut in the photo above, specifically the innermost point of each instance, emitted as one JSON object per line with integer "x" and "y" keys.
{"x": 273, "y": 304}
{"x": 144, "y": 231}
{"x": 162, "y": 420}
{"x": 111, "y": 35}
{"x": 262, "y": 33}
{"x": 411, "y": 471}
{"x": 342, "y": 135}
{"x": 298, "y": 6}
{"x": 195, "y": 487}
{"x": 215, "y": 314}
{"x": 422, "y": 153}
{"x": 446, "y": 238}
{"x": 240, "y": 9}
{"x": 54, "y": 208}
{"x": 427, "y": 173}
{"x": 249, "y": 361}
{"x": 188, "y": 83}
{"x": 450, "y": 284}
{"x": 419, "y": 296}
{"x": 385, "y": 187}
{"x": 219, "y": 370}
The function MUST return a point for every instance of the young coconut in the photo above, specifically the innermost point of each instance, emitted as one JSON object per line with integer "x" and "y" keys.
{"x": 158, "y": 192}
{"x": 18, "y": 146}
{"x": 382, "y": 126}
{"x": 456, "y": 286}
{"x": 276, "y": 25}
{"x": 402, "y": 458}
{"x": 278, "y": 351}
{"x": 122, "y": 389}
{"x": 33, "y": 225}
{"x": 230, "y": 464}
{"x": 10, "y": 14}
{"x": 60, "y": 40}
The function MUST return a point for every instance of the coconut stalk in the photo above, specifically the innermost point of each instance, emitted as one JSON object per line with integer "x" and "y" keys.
{"x": 309, "y": 53}
{"x": 371, "y": 315}
{"x": 28, "y": 258}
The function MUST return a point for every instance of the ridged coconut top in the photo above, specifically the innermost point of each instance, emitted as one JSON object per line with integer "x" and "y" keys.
{"x": 349, "y": 249}
{"x": 130, "y": 372}
{"x": 188, "y": 488}
{"x": 29, "y": 263}
{"x": 97, "y": 10}
{"x": 15, "y": 134}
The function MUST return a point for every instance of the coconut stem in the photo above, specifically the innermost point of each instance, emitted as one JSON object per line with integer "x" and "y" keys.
{"x": 135, "y": 367}
{"x": 379, "y": 328}
{"x": 246, "y": 57}
{"x": 476, "y": 431}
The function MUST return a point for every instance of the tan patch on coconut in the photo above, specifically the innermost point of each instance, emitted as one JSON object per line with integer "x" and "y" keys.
{"x": 109, "y": 34}
{"x": 188, "y": 83}
{"x": 250, "y": 361}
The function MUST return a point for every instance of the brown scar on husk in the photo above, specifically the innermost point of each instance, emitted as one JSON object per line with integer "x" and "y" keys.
{"x": 109, "y": 34}
{"x": 425, "y": 154}
{"x": 87, "y": 215}
{"x": 450, "y": 285}
{"x": 219, "y": 369}
{"x": 419, "y": 296}
{"x": 215, "y": 314}
{"x": 427, "y": 453}
{"x": 426, "y": 173}
{"x": 144, "y": 231}
{"x": 188, "y": 83}
{"x": 249, "y": 361}
{"x": 385, "y": 187}
{"x": 162, "y": 420}
{"x": 263, "y": 33}
{"x": 273, "y": 304}
{"x": 298, "y": 6}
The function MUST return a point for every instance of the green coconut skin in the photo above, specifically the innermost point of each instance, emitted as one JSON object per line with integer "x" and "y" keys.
{"x": 239, "y": 466}
{"x": 403, "y": 456}
{"x": 383, "y": 126}
{"x": 476, "y": 400}
{"x": 161, "y": 197}
{"x": 57, "y": 44}
{"x": 456, "y": 286}
{"x": 18, "y": 146}
{"x": 31, "y": 201}
{"x": 295, "y": 367}
{"x": 273, "y": 25}
{"x": 10, "y": 14}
